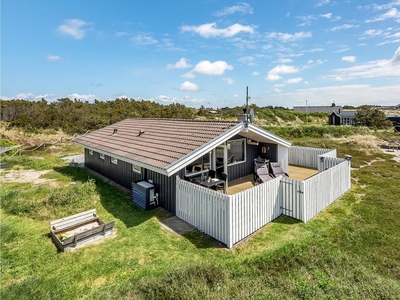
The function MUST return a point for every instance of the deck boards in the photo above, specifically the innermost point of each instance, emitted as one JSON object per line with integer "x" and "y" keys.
{"x": 244, "y": 183}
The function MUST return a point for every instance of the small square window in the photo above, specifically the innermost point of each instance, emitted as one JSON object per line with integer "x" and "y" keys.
{"x": 114, "y": 160}
{"x": 90, "y": 152}
{"x": 101, "y": 155}
{"x": 136, "y": 168}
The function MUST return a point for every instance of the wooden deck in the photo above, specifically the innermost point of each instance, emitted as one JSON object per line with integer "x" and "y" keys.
{"x": 244, "y": 183}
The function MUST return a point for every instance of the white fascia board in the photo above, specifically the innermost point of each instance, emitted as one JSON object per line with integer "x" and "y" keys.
{"x": 269, "y": 135}
{"x": 192, "y": 156}
{"x": 122, "y": 158}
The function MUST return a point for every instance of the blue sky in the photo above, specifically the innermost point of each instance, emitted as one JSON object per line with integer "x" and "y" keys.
{"x": 203, "y": 52}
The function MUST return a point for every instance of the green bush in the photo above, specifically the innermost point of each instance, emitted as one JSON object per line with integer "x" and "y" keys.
{"x": 296, "y": 132}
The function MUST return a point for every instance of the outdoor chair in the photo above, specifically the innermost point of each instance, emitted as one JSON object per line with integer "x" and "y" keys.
{"x": 276, "y": 170}
{"x": 212, "y": 173}
{"x": 262, "y": 175}
{"x": 222, "y": 185}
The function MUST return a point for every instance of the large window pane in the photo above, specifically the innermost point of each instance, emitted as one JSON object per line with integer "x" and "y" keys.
{"x": 199, "y": 165}
{"x": 236, "y": 151}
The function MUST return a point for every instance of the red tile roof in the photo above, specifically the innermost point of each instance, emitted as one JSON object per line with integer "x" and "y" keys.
{"x": 162, "y": 141}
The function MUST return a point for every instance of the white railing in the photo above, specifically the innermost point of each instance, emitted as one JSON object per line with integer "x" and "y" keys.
{"x": 204, "y": 208}
{"x": 231, "y": 218}
{"x": 325, "y": 187}
{"x": 308, "y": 157}
{"x": 292, "y": 196}
{"x": 254, "y": 208}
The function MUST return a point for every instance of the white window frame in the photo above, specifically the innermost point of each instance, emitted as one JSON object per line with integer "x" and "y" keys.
{"x": 114, "y": 160}
{"x": 244, "y": 154}
{"x": 205, "y": 170}
{"x": 102, "y": 156}
{"x": 134, "y": 169}
{"x": 90, "y": 152}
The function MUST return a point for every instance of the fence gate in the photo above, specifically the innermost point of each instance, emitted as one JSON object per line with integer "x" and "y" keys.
{"x": 292, "y": 198}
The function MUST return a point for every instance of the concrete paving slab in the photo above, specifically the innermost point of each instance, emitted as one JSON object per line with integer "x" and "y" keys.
{"x": 176, "y": 225}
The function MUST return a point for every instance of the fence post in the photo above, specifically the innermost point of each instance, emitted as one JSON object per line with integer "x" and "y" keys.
{"x": 229, "y": 224}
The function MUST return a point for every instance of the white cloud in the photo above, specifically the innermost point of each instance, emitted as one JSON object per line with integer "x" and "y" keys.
{"x": 266, "y": 47}
{"x": 88, "y": 97}
{"x": 386, "y": 6}
{"x": 287, "y": 37}
{"x": 278, "y": 85}
{"x": 244, "y": 8}
{"x": 229, "y": 80}
{"x": 53, "y": 57}
{"x": 273, "y": 74}
{"x": 73, "y": 27}
{"x": 362, "y": 45}
{"x": 210, "y": 30}
{"x": 255, "y": 73}
{"x": 371, "y": 69}
{"x": 235, "y": 95}
{"x": 372, "y": 33}
{"x": 30, "y": 96}
{"x": 349, "y": 58}
{"x": 169, "y": 99}
{"x": 278, "y": 90}
{"x": 327, "y": 16}
{"x": 25, "y": 96}
{"x": 321, "y": 3}
{"x": 348, "y": 94}
{"x": 247, "y": 60}
{"x": 392, "y": 13}
{"x": 284, "y": 60}
{"x": 181, "y": 64}
{"x": 272, "y": 77}
{"x": 206, "y": 67}
{"x": 341, "y": 50}
{"x": 294, "y": 80}
{"x": 314, "y": 50}
{"x": 344, "y": 26}
{"x": 284, "y": 69}
{"x": 189, "y": 87}
{"x": 143, "y": 39}
{"x": 121, "y": 33}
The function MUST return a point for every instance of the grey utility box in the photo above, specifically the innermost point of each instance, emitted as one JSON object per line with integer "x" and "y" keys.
{"x": 142, "y": 194}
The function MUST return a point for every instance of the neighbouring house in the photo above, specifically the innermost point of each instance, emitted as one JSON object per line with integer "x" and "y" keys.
{"x": 343, "y": 117}
{"x": 312, "y": 109}
{"x": 159, "y": 149}
{"x": 168, "y": 154}
{"x": 395, "y": 119}
{"x": 392, "y": 107}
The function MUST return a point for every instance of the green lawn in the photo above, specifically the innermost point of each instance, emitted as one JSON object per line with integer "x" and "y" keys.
{"x": 350, "y": 251}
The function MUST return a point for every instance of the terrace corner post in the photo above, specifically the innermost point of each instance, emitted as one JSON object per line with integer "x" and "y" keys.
{"x": 229, "y": 224}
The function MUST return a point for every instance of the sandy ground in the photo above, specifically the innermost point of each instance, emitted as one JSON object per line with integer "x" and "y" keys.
{"x": 395, "y": 153}
{"x": 25, "y": 176}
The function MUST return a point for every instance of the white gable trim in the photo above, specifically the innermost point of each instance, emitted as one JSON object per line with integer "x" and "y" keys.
{"x": 269, "y": 135}
{"x": 199, "y": 152}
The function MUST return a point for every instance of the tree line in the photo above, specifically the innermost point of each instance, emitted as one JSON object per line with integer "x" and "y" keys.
{"x": 76, "y": 116}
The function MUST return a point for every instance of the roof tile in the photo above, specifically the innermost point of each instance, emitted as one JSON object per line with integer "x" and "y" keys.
{"x": 156, "y": 142}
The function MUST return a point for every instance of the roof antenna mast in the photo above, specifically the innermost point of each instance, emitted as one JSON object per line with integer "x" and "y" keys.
{"x": 247, "y": 105}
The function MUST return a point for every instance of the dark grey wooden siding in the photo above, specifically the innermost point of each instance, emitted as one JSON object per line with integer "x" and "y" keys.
{"x": 123, "y": 175}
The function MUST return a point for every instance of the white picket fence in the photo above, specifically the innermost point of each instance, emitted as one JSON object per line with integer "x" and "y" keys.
{"x": 308, "y": 157}
{"x": 231, "y": 218}
{"x": 253, "y": 208}
{"x": 325, "y": 187}
{"x": 204, "y": 208}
